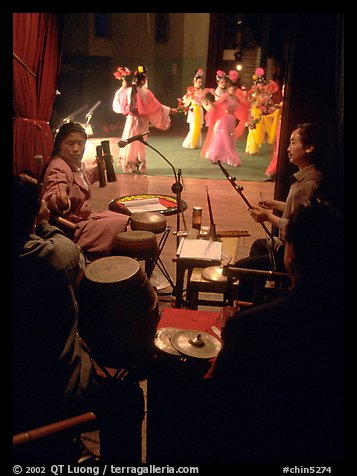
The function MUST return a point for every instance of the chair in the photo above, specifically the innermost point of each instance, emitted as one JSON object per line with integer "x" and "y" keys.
{"x": 267, "y": 285}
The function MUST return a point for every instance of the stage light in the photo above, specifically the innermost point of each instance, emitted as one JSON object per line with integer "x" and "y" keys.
{"x": 238, "y": 55}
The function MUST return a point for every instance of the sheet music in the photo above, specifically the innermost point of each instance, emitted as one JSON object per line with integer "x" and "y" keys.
{"x": 145, "y": 205}
{"x": 200, "y": 249}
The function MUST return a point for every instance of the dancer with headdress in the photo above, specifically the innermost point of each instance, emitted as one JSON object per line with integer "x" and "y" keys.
{"x": 221, "y": 121}
{"x": 192, "y": 103}
{"x": 141, "y": 108}
{"x": 221, "y": 88}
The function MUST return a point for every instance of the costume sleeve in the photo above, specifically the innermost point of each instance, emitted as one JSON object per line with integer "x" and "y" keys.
{"x": 157, "y": 114}
{"x": 242, "y": 113}
{"x": 121, "y": 101}
{"x": 147, "y": 102}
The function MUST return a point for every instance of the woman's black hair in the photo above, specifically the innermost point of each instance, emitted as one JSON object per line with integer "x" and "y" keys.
{"x": 63, "y": 132}
{"x": 139, "y": 77}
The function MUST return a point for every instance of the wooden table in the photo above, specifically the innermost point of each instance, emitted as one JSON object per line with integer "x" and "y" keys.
{"x": 229, "y": 254}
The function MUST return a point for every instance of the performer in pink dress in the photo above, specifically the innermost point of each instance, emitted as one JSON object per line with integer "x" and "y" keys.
{"x": 222, "y": 116}
{"x": 141, "y": 109}
{"x": 221, "y": 84}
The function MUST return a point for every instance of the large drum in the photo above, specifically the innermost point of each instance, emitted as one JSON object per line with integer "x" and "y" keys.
{"x": 118, "y": 312}
{"x": 137, "y": 244}
{"x": 148, "y": 221}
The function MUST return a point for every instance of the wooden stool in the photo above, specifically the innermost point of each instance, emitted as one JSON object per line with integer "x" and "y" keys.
{"x": 198, "y": 284}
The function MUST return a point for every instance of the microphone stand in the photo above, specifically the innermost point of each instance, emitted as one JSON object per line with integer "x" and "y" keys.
{"x": 176, "y": 188}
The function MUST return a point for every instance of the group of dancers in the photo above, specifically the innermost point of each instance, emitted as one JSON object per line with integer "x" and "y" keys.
{"x": 225, "y": 111}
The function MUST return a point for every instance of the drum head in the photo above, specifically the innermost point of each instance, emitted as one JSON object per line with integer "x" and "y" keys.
{"x": 150, "y": 221}
{"x": 118, "y": 271}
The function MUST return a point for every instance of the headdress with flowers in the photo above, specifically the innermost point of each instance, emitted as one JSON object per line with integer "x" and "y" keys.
{"x": 140, "y": 74}
{"x": 233, "y": 77}
{"x": 261, "y": 94}
{"x": 121, "y": 72}
{"x": 198, "y": 74}
{"x": 220, "y": 75}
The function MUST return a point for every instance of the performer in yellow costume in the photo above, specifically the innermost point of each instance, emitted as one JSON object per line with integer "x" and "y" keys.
{"x": 264, "y": 115}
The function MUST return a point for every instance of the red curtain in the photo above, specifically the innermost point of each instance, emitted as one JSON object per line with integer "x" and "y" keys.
{"x": 36, "y": 63}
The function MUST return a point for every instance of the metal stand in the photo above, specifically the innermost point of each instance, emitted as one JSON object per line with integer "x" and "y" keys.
{"x": 176, "y": 188}
{"x": 158, "y": 262}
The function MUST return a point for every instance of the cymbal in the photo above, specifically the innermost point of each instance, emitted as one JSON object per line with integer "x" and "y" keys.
{"x": 195, "y": 343}
{"x": 159, "y": 281}
{"x": 162, "y": 340}
{"x": 213, "y": 273}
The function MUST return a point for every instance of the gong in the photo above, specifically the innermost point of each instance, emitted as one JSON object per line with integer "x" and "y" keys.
{"x": 195, "y": 343}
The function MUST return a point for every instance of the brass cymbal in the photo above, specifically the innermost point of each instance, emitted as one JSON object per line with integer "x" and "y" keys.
{"x": 213, "y": 273}
{"x": 162, "y": 340}
{"x": 195, "y": 343}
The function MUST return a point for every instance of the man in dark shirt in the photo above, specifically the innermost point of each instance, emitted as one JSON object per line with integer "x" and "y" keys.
{"x": 277, "y": 383}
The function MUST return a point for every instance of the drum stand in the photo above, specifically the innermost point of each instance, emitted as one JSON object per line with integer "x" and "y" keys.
{"x": 158, "y": 262}
{"x": 176, "y": 188}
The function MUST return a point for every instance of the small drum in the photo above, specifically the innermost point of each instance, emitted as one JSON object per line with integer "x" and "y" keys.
{"x": 137, "y": 244}
{"x": 118, "y": 312}
{"x": 148, "y": 221}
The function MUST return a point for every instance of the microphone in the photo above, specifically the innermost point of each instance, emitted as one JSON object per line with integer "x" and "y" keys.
{"x": 123, "y": 143}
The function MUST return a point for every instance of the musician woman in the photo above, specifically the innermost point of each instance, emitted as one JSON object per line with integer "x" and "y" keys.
{"x": 141, "y": 108}
{"x": 67, "y": 191}
{"x": 304, "y": 152}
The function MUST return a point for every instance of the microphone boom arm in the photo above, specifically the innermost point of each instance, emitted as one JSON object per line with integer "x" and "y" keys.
{"x": 165, "y": 159}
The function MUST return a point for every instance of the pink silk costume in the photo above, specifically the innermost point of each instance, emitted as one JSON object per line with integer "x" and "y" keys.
{"x": 221, "y": 120}
{"x": 241, "y": 113}
{"x": 96, "y": 231}
{"x": 150, "y": 112}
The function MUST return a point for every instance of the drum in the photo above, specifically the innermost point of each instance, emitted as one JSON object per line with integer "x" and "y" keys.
{"x": 118, "y": 312}
{"x": 137, "y": 244}
{"x": 148, "y": 221}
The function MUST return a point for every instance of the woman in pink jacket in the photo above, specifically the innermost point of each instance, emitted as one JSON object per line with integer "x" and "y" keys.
{"x": 66, "y": 189}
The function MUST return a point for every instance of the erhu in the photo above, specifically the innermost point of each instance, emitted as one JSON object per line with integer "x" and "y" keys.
{"x": 239, "y": 189}
{"x": 212, "y": 234}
